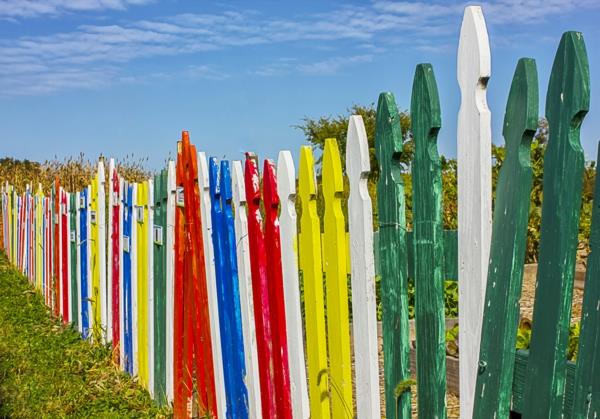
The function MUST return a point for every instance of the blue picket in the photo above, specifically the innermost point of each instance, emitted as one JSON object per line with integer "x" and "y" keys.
{"x": 83, "y": 233}
{"x": 127, "y": 303}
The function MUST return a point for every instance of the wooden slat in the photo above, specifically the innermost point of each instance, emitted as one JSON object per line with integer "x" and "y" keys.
{"x": 586, "y": 401}
{"x": 127, "y": 299}
{"x": 364, "y": 304}
{"x": 101, "y": 217}
{"x": 110, "y": 251}
{"x": 121, "y": 284}
{"x": 507, "y": 254}
{"x": 245, "y": 285}
{"x": 211, "y": 281}
{"x": 286, "y": 189}
{"x": 83, "y": 258}
{"x": 115, "y": 257}
{"x": 428, "y": 245}
{"x": 392, "y": 258}
{"x": 142, "y": 284}
{"x": 170, "y": 278}
{"x": 276, "y": 291}
{"x": 260, "y": 290}
{"x": 159, "y": 248}
{"x": 150, "y": 284}
{"x": 567, "y": 102}
{"x": 133, "y": 253}
{"x": 64, "y": 256}
{"x": 474, "y": 156}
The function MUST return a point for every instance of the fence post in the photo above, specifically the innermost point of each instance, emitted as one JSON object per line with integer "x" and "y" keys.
{"x": 507, "y": 253}
{"x": 567, "y": 103}
{"x": 474, "y": 194}
{"x": 364, "y": 304}
{"x": 286, "y": 189}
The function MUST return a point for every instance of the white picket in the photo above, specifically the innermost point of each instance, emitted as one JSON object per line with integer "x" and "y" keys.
{"x": 474, "y": 194}
{"x": 286, "y": 188}
{"x": 170, "y": 274}
{"x": 362, "y": 262}
{"x": 150, "y": 250}
{"x": 101, "y": 220}
{"x": 134, "y": 283}
{"x": 211, "y": 282}
{"x": 109, "y": 252}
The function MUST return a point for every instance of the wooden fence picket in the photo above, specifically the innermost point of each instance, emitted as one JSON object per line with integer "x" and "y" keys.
{"x": 393, "y": 255}
{"x": 286, "y": 189}
{"x": 110, "y": 260}
{"x": 170, "y": 278}
{"x": 73, "y": 259}
{"x": 586, "y": 402}
{"x": 128, "y": 277}
{"x": 103, "y": 289}
{"x": 260, "y": 290}
{"x": 276, "y": 290}
{"x": 115, "y": 256}
{"x": 312, "y": 278}
{"x": 39, "y": 234}
{"x": 142, "y": 295}
{"x": 64, "y": 256}
{"x": 133, "y": 253}
{"x": 245, "y": 285}
{"x": 55, "y": 246}
{"x": 507, "y": 253}
{"x": 84, "y": 246}
{"x": 211, "y": 280}
{"x": 150, "y": 284}
{"x": 364, "y": 304}
{"x": 474, "y": 148}
{"x": 567, "y": 102}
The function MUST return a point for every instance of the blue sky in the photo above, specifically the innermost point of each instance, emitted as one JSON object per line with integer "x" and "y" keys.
{"x": 126, "y": 76}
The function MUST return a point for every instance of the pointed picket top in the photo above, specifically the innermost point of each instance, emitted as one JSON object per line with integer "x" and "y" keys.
{"x": 252, "y": 168}
{"x": 214, "y": 176}
{"x": 507, "y": 253}
{"x": 364, "y": 306}
{"x": 425, "y": 105}
{"x": 567, "y": 103}
{"x": 474, "y": 147}
{"x": 238, "y": 194}
{"x": 286, "y": 179}
{"x": 389, "y": 145}
{"x": 307, "y": 171}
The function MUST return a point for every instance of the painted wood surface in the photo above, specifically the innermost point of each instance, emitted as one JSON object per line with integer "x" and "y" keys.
{"x": 142, "y": 283}
{"x": 286, "y": 189}
{"x": 39, "y": 234}
{"x": 260, "y": 289}
{"x": 223, "y": 237}
{"x": 252, "y": 378}
{"x": 170, "y": 276}
{"x": 159, "y": 249}
{"x": 586, "y": 400}
{"x": 392, "y": 252}
{"x": 115, "y": 255}
{"x": 94, "y": 283}
{"x": 78, "y": 252}
{"x": 334, "y": 267}
{"x": 55, "y": 246}
{"x": 73, "y": 262}
{"x": 83, "y": 257}
{"x": 474, "y": 147}
{"x": 110, "y": 251}
{"x": 567, "y": 102}
{"x": 507, "y": 253}
{"x": 211, "y": 282}
{"x": 429, "y": 250}
{"x": 64, "y": 256}
{"x": 276, "y": 291}
{"x": 150, "y": 285}
{"x": 310, "y": 264}
{"x": 126, "y": 299}
{"x": 103, "y": 288}
{"x": 121, "y": 239}
{"x": 203, "y": 353}
{"x": 362, "y": 262}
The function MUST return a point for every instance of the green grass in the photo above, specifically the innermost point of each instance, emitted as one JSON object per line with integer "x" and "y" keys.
{"x": 46, "y": 370}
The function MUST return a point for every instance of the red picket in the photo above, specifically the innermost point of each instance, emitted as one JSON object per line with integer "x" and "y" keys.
{"x": 55, "y": 249}
{"x": 64, "y": 256}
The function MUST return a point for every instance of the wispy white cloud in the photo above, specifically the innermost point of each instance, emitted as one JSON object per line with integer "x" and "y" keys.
{"x": 13, "y": 9}
{"x": 28, "y": 64}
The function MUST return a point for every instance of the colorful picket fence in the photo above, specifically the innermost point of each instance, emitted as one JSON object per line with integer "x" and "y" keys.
{"x": 196, "y": 276}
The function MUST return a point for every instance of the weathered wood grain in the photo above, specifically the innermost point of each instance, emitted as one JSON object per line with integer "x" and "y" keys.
{"x": 507, "y": 253}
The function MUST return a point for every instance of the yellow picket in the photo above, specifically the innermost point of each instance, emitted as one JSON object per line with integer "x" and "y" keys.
{"x": 336, "y": 279}
{"x": 312, "y": 277}
{"x": 142, "y": 281}
{"x": 94, "y": 262}
{"x": 39, "y": 231}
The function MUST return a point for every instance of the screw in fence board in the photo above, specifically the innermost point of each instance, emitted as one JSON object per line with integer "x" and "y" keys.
{"x": 334, "y": 266}
{"x": 393, "y": 258}
{"x": 286, "y": 189}
{"x": 474, "y": 148}
{"x": 364, "y": 305}
{"x": 507, "y": 254}
{"x": 245, "y": 286}
{"x": 114, "y": 255}
{"x": 311, "y": 267}
{"x": 428, "y": 245}
{"x": 64, "y": 256}
{"x": 142, "y": 282}
{"x": 211, "y": 280}
{"x": 179, "y": 363}
{"x": 159, "y": 250}
{"x": 232, "y": 345}
{"x": 171, "y": 188}
{"x": 260, "y": 289}
{"x": 276, "y": 290}
{"x": 127, "y": 298}
{"x": 150, "y": 284}
{"x": 567, "y": 102}
{"x": 242, "y": 409}
{"x": 197, "y": 280}
{"x": 586, "y": 400}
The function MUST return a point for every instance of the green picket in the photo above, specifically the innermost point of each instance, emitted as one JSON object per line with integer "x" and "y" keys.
{"x": 428, "y": 245}
{"x": 392, "y": 259}
{"x": 507, "y": 253}
{"x": 160, "y": 280}
{"x": 586, "y": 401}
{"x": 567, "y": 102}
